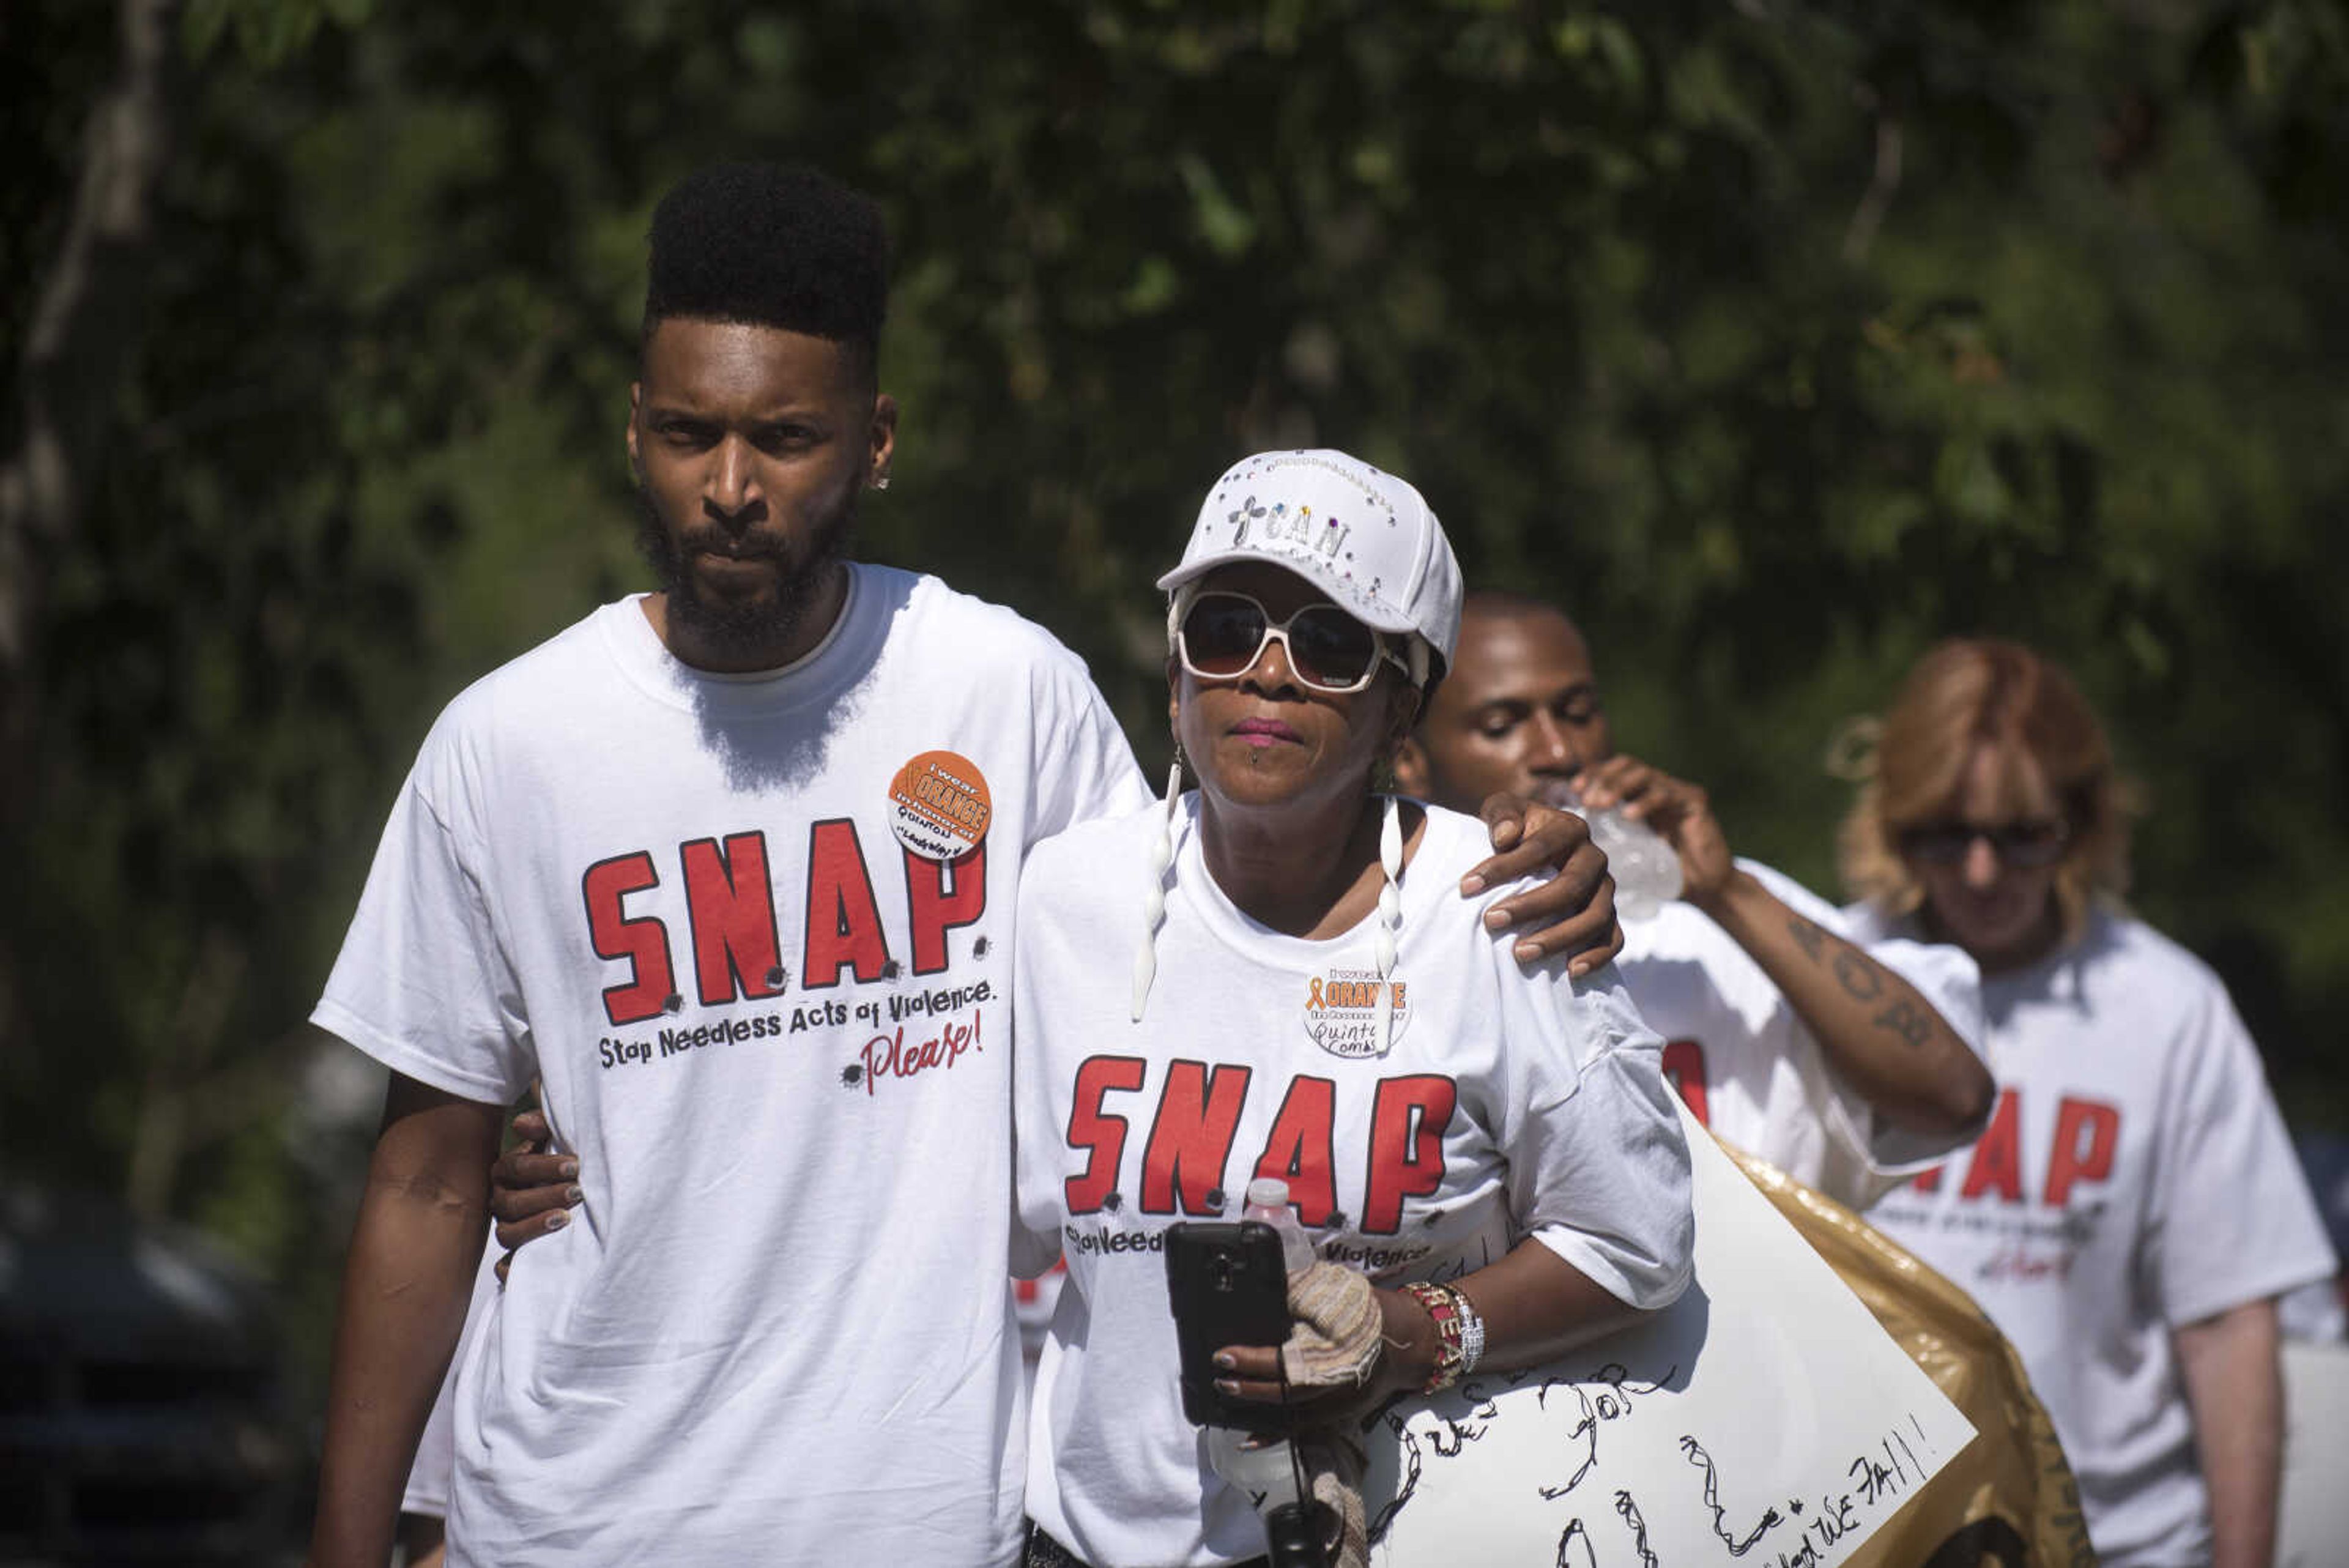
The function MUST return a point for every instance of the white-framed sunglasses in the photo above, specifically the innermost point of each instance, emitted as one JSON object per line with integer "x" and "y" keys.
{"x": 1222, "y": 634}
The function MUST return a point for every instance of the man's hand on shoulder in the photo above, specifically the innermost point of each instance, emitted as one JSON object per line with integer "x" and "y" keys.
{"x": 1574, "y": 911}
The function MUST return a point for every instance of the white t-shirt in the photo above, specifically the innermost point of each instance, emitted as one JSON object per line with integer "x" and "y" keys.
{"x": 1753, "y": 1072}
{"x": 1509, "y": 1102}
{"x": 2135, "y": 1177}
{"x": 778, "y": 1039}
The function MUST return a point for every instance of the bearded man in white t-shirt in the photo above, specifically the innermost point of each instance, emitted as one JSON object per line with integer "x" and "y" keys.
{"x": 730, "y": 867}
{"x": 1837, "y": 1062}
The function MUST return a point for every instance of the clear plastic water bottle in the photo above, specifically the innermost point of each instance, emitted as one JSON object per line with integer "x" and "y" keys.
{"x": 1647, "y": 870}
{"x": 1267, "y": 1199}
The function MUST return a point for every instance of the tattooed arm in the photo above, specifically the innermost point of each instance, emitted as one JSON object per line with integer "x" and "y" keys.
{"x": 1883, "y": 1037}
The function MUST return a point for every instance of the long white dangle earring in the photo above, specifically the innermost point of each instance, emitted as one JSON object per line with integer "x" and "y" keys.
{"x": 1154, "y": 903}
{"x": 1389, "y": 913}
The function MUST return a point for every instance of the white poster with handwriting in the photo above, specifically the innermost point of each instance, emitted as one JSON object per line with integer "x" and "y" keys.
{"x": 1764, "y": 1420}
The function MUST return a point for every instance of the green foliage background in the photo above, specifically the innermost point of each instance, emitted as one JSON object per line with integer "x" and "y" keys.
{"x": 1774, "y": 338}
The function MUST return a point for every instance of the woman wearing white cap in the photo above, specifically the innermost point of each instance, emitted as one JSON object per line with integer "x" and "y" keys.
{"x": 1272, "y": 976}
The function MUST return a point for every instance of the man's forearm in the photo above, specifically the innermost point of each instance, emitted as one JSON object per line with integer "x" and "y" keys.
{"x": 1883, "y": 1038}
{"x": 2234, "y": 1382}
{"x": 405, "y": 1290}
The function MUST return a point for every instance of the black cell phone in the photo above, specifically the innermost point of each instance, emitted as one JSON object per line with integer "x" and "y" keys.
{"x": 1227, "y": 1286}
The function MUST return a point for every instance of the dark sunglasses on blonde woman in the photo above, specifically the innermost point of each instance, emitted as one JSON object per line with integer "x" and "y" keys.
{"x": 2024, "y": 845}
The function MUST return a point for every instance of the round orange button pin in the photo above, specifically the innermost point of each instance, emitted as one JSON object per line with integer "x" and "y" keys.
{"x": 939, "y": 807}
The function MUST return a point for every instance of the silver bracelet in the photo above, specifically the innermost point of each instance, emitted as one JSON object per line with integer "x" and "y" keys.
{"x": 1472, "y": 1333}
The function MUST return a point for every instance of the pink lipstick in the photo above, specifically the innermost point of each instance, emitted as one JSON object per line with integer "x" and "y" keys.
{"x": 1265, "y": 732}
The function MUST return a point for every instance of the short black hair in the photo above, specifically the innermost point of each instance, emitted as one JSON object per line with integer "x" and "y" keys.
{"x": 771, "y": 246}
{"x": 1511, "y": 603}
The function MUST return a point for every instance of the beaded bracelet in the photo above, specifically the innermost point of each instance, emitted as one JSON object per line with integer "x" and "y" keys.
{"x": 1472, "y": 1333}
{"x": 1459, "y": 1333}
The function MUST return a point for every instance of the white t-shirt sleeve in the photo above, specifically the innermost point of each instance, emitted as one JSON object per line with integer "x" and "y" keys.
{"x": 422, "y": 983}
{"x": 1035, "y": 1246}
{"x": 2232, "y": 1219}
{"x": 1036, "y": 1208}
{"x": 1083, "y": 768}
{"x": 1599, "y": 1169}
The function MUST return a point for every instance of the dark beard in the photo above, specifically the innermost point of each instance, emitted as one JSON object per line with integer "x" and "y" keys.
{"x": 744, "y": 633}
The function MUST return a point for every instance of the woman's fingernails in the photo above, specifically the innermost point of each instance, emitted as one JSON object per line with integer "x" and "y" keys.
{"x": 573, "y": 1195}
{"x": 1471, "y": 885}
{"x": 1527, "y": 952}
{"x": 567, "y": 1169}
{"x": 558, "y": 1220}
{"x": 1227, "y": 1386}
{"x": 1226, "y": 1362}
{"x": 1497, "y": 919}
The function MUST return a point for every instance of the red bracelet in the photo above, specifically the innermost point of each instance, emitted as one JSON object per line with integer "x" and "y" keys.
{"x": 1450, "y": 1314}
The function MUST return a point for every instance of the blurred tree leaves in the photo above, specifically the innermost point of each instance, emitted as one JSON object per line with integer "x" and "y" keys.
{"x": 270, "y": 32}
{"x": 1774, "y": 338}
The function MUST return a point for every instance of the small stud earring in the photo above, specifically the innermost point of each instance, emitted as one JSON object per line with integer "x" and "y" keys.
{"x": 880, "y": 482}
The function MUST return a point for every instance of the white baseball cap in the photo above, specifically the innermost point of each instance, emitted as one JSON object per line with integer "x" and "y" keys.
{"x": 1362, "y": 536}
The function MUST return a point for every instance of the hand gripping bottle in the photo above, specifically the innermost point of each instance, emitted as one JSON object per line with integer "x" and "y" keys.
{"x": 1647, "y": 870}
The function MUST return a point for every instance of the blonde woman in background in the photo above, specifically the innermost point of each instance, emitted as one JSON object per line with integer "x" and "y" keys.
{"x": 2133, "y": 1209}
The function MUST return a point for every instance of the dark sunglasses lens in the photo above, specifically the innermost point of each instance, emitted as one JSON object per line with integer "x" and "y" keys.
{"x": 1943, "y": 844}
{"x": 2023, "y": 845}
{"x": 1330, "y": 647}
{"x": 1222, "y": 634}
{"x": 2029, "y": 844}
